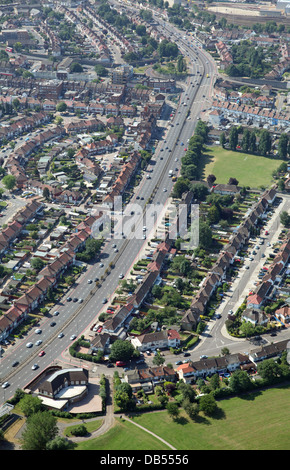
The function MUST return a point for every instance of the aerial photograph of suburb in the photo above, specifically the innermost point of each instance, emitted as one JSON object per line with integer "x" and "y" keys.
{"x": 144, "y": 228}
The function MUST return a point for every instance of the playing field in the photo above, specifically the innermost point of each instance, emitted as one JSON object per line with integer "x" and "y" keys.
{"x": 249, "y": 170}
{"x": 257, "y": 421}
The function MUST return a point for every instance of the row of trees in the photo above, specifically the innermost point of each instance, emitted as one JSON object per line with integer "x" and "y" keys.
{"x": 255, "y": 142}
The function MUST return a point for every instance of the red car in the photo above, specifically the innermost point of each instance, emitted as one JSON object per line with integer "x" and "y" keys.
{"x": 120, "y": 364}
{"x": 41, "y": 353}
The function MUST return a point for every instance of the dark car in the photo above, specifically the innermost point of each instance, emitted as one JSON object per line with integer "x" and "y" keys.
{"x": 186, "y": 354}
{"x": 69, "y": 299}
{"x": 15, "y": 363}
{"x": 53, "y": 323}
{"x": 110, "y": 365}
{"x": 75, "y": 299}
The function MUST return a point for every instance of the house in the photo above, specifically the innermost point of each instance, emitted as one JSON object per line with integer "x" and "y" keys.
{"x": 151, "y": 341}
{"x": 256, "y": 317}
{"x": 225, "y": 189}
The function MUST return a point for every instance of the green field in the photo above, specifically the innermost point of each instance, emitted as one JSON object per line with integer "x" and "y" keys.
{"x": 257, "y": 421}
{"x": 249, "y": 170}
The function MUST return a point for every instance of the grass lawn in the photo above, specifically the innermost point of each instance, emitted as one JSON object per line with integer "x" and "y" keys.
{"x": 123, "y": 436}
{"x": 249, "y": 170}
{"x": 258, "y": 421}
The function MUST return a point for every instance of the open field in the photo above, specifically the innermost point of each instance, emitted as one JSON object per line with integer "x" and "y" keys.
{"x": 249, "y": 170}
{"x": 257, "y": 421}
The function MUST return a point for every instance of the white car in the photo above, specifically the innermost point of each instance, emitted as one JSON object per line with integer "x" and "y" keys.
{"x": 38, "y": 331}
{"x": 5, "y": 385}
{"x": 38, "y": 342}
{"x": 72, "y": 337}
{"x": 121, "y": 276}
{"x": 61, "y": 335}
{"x": 35, "y": 366}
{"x": 164, "y": 190}
{"x": 29, "y": 345}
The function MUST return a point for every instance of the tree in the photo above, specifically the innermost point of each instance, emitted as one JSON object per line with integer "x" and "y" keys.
{"x": 285, "y": 218}
{"x": 101, "y": 70}
{"x": 265, "y": 143}
{"x": 210, "y": 179}
{"x": 233, "y": 138}
{"x": 205, "y": 235}
{"x": 240, "y": 381}
{"x": 46, "y": 193}
{"x": 207, "y": 404}
{"x": 9, "y": 181}
{"x": 283, "y": 145}
{"x": 173, "y": 410}
{"x": 41, "y": 427}
{"x": 233, "y": 181}
{"x": 253, "y": 143}
{"x": 61, "y": 107}
{"x": 158, "y": 360}
{"x": 223, "y": 139}
{"x": 59, "y": 443}
{"x": 37, "y": 263}
{"x": 30, "y": 405}
{"x": 269, "y": 370}
{"x": 76, "y": 68}
{"x": 246, "y": 140}
{"x": 121, "y": 350}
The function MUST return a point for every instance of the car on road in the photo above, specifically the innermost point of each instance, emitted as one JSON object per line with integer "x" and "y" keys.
{"x": 104, "y": 301}
{"x": 35, "y": 366}
{"x": 69, "y": 299}
{"x": 15, "y": 363}
{"x": 38, "y": 342}
{"x": 89, "y": 281}
{"x": 38, "y": 331}
{"x": 56, "y": 313}
{"x": 218, "y": 315}
{"x": 96, "y": 279}
{"x": 53, "y": 323}
{"x": 178, "y": 363}
{"x": 61, "y": 335}
{"x": 120, "y": 363}
{"x": 273, "y": 334}
{"x": 121, "y": 276}
{"x": 101, "y": 265}
{"x": 72, "y": 337}
{"x": 186, "y": 354}
{"x": 41, "y": 353}
{"x": 110, "y": 364}
{"x": 5, "y": 385}
{"x": 164, "y": 190}
{"x": 29, "y": 345}
{"x": 203, "y": 356}
{"x": 75, "y": 299}
{"x": 80, "y": 301}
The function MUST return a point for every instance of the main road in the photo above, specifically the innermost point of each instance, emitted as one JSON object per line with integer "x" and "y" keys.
{"x": 75, "y": 318}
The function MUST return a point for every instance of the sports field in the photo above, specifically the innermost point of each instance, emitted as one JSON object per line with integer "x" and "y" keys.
{"x": 249, "y": 170}
{"x": 257, "y": 421}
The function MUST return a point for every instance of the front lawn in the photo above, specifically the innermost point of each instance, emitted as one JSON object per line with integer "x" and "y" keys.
{"x": 249, "y": 170}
